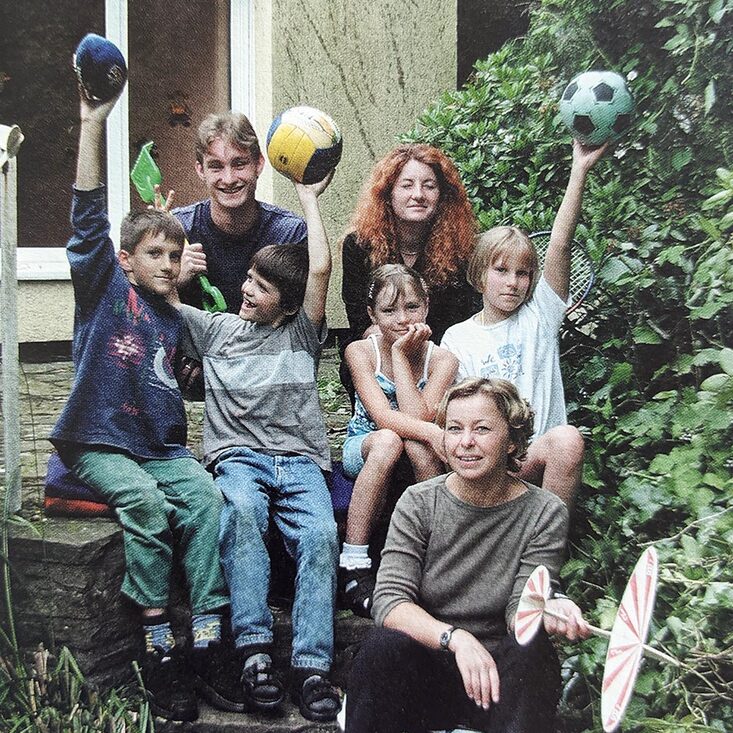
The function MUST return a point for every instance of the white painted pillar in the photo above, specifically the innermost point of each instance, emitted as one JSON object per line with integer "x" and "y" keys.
{"x": 118, "y": 126}
{"x": 241, "y": 54}
{"x": 9, "y": 319}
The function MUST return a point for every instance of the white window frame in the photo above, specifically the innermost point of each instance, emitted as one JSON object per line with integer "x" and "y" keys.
{"x": 50, "y": 263}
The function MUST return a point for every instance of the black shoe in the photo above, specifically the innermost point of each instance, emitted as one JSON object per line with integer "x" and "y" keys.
{"x": 216, "y": 674}
{"x": 356, "y": 590}
{"x": 316, "y": 698}
{"x": 168, "y": 685}
{"x": 262, "y": 686}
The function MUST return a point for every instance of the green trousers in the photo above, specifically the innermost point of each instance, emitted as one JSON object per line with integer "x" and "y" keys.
{"x": 161, "y": 503}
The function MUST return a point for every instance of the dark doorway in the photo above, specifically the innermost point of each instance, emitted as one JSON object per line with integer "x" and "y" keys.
{"x": 483, "y": 26}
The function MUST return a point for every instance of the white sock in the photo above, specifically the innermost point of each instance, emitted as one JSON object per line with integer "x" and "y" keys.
{"x": 355, "y": 556}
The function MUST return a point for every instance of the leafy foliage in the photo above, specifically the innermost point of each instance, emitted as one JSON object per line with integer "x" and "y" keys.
{"x": 648, "y": 363}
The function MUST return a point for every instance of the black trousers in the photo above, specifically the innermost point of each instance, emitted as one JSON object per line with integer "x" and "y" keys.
{"x": 397, "y": 685}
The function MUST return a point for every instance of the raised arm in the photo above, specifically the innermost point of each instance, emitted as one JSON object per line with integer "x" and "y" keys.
{"x": 90, "y": 250}
{"x": 557, "y": 260}
{"x": 319, "y": 253}
{"x": 89, "y": 159}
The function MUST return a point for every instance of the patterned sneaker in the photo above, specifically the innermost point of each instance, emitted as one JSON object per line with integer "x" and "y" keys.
{"x": 216, "y": 673}
{"x": 168, "y": 685}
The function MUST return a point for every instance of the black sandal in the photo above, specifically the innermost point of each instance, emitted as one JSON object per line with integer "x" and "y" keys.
{"x": 357, "y": 590}
{"x": 317, "y": 699}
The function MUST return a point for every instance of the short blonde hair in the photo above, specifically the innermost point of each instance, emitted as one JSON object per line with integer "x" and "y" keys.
{"x": 502, "y": 243}
{"x": 515, "y": 410}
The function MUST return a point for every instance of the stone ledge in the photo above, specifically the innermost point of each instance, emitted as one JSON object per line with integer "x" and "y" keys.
{"x": 66, "y": 590}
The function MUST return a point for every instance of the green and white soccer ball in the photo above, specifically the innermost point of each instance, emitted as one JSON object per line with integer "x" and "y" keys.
{"x": 597, "y": 107}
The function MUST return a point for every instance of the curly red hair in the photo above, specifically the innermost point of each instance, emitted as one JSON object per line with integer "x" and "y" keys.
{"x": 453, "y": 230}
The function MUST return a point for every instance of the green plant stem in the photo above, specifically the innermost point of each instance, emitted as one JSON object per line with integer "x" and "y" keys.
{"x": 6, "y": 593}
{"x": 687, "y": 528}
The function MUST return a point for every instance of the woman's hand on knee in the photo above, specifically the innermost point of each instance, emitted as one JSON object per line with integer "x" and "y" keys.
{"x": 572, "y": 626}
{"x": 477, "y": 667}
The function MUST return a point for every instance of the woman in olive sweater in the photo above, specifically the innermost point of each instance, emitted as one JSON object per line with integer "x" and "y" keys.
{"x": 459, "y": 551}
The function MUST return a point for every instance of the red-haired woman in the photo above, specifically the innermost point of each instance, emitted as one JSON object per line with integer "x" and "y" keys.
{"x": 414, "y": 211}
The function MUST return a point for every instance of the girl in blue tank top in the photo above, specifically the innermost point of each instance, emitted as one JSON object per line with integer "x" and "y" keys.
{"x": 400, "y": 376}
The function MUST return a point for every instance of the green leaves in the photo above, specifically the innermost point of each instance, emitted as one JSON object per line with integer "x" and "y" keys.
{"x": 681, "y": 158}
{"x": 648, "y": 361}
{"x": 710, "y": 96}
{"x": 726, "y": 361}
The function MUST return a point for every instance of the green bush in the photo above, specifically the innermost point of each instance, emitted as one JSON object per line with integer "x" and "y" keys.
{"x": 648, "y": 363}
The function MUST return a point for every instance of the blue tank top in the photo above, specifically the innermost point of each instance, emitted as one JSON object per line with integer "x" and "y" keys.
{"x": 361, "y": 422}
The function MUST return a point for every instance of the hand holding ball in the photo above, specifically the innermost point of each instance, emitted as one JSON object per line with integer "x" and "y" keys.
{"x": 597, "y": 106}
{"x": 304, "y": 144}
{"x": 100, "y": 68}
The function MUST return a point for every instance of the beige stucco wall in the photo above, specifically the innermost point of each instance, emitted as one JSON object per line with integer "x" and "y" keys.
{"x": 373, "y": 66}
{"x": 45, "y": 311}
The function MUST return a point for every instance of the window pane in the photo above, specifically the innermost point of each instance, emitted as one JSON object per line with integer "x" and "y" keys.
{"x": 179, "y": 73}
{"x": 38, "y": 92}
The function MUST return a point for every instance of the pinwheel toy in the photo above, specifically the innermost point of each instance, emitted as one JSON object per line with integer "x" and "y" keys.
{"x": 626, "y": 641}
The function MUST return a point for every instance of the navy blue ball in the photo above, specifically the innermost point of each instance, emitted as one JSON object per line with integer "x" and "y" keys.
{"x": 100, "y": 67}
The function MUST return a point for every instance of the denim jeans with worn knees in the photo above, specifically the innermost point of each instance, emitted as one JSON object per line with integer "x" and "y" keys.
{"x": 293, "y": 486}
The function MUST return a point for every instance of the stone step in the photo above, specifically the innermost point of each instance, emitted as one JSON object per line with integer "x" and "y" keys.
{"x": 66, "y": 592}
{"x": 288, "y": 720}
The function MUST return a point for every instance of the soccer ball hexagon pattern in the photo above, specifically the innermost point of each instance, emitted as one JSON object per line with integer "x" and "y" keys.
{"x": 597, "y": 106}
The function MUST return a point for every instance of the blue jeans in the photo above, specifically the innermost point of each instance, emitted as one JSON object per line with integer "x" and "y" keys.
{"x": 294, "y": 487}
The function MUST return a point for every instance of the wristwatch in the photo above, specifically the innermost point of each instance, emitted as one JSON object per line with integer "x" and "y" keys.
{"x": 445, "y": 638}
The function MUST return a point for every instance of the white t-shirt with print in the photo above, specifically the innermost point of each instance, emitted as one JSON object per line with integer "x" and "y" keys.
{"x": 523, "y": 348}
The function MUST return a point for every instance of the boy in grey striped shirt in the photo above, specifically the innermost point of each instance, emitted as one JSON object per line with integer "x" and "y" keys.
{"x": 265, "y": 442}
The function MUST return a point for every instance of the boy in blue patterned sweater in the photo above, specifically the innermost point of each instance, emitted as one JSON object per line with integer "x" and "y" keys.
{"x": 123, "y": 430}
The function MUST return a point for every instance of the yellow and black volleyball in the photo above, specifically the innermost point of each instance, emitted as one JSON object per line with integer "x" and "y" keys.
{"x": 304, "y": 144}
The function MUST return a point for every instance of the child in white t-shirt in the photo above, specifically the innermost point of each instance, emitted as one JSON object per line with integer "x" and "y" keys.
{"x": 515, "y": 335}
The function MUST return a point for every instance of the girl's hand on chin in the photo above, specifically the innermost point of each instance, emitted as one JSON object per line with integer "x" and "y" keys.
{"x": 411, "y": 343}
